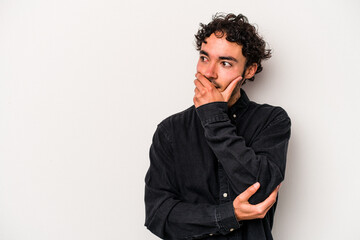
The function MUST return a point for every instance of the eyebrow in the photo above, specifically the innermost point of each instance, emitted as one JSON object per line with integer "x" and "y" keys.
{"x": 221, "y": 57}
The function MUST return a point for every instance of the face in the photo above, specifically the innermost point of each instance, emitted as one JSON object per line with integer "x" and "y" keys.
{"x": 221, "y": 61}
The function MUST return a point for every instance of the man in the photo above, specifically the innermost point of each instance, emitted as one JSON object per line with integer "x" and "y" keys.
{"x": 215, "y": 168}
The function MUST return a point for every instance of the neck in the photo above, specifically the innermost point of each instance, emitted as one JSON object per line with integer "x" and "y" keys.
{"x": 234, "y": 97}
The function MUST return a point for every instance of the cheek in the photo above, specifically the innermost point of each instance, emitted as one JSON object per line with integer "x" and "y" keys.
{"x": 226, "y": 77}
{"x": 230, "y": 74}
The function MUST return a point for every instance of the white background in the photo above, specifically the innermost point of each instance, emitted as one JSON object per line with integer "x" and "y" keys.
{"x": 83, "y": 85}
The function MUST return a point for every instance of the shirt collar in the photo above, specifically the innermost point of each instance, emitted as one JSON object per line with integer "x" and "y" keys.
{"x": 241, "y": 103}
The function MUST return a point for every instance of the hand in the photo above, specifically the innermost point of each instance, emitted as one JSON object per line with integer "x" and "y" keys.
{"x": 206, "y": 92}
{"x": 246, "y": 211}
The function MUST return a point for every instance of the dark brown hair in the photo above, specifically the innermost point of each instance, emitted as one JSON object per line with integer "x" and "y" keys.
{"x": 236, "y": 29}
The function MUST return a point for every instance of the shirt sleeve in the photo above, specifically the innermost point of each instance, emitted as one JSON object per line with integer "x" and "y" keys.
{"x": 167, "y": 216}
{"x": 263, "y": 160}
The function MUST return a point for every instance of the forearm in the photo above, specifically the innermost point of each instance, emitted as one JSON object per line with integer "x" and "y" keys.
{"x": 243, "y": 166}
{"x": 263, "y": 161}
{"x": 174, "y": 219}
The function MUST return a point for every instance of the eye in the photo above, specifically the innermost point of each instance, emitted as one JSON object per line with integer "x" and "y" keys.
{"x": 203, "y": 59}
{"x": 226, "y": 64}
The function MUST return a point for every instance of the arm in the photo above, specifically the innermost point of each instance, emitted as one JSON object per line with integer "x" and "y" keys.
{"x": 262, "y": 161}
{"x": 169, "y": 217}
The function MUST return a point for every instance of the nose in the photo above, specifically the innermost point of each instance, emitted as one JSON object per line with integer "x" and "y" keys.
{"x": 210, "y": 71}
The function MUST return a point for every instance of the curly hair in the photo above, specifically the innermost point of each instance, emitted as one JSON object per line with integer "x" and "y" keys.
{"x": 236, "y": 29}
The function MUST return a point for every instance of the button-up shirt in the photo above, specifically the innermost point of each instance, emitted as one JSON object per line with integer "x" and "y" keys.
{"x": 201, "y": 159}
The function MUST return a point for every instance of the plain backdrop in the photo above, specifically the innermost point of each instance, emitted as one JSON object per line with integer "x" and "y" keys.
{"x": 83, "y": 85}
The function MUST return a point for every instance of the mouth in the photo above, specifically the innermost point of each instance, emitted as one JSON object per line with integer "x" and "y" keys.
{"x": 215, "y": 85}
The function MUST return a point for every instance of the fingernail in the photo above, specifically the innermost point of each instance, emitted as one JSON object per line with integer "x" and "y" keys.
{"x": 257, "y": 184}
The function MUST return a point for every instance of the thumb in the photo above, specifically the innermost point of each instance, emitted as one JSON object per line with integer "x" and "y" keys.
{"x": 244, "y": 196}
{"x": 230, "y": 88}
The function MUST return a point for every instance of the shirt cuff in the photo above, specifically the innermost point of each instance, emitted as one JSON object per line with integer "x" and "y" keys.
{"x": 226, "y": 219}
{"x": 213, "y": 112}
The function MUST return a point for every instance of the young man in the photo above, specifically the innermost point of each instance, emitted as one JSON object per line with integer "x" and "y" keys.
{"x": 215, "y": 168}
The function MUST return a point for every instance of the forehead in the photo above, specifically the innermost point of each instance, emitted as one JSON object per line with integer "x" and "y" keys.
{"x": 219, "y": 46}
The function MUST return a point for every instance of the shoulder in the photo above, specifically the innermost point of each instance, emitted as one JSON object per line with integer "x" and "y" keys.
{"x": 267, "y": 109}
{"x": 180, "y": 118}
{"x": 268, "y": 114}
{"x": 178, "y": 122}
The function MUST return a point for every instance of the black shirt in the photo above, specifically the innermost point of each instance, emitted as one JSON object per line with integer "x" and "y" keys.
{"x": 202, "y": 158}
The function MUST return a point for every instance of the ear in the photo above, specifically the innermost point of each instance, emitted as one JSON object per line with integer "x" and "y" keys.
{"x": 251, "y": 70}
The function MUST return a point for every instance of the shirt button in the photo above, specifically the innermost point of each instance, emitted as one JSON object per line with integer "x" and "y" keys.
{"x": 234, "y": 115}
{"x": 224, "y": 194}
{"x": 231, "y": 229}
{"x": 211, "y": 234}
